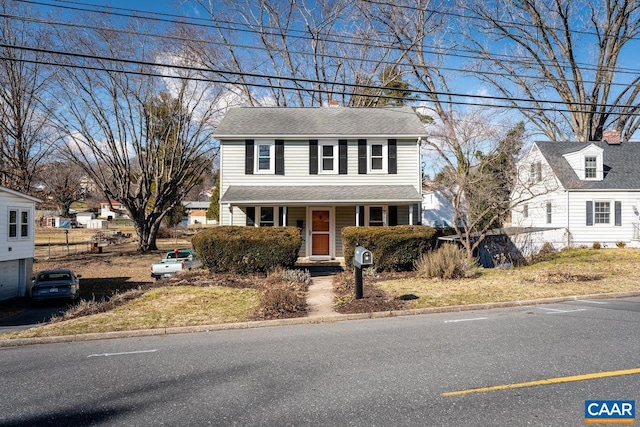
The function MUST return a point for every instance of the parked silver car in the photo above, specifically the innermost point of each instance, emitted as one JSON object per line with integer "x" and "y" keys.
{"x": 55, "y": 285}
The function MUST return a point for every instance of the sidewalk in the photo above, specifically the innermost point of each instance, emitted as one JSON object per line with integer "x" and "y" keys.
{"x": 320, "y": 297}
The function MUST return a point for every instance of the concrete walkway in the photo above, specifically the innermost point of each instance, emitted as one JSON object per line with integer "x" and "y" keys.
{"x": 320, "y": 297}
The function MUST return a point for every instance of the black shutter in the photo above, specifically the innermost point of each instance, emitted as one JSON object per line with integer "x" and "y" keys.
{"x": 393, "y": 215}
{"x": 251, "y": 216}
{"x": 362, "y": 156}
{"x": 589, "y": 213}
{"x": 342, "y": 156}
{"x": 393, "y": 156}
{"x": 361, "y": 216}
{"x": 313, "y": 157}
{"x": 248, "y": 157}
{"x": 618, "y": 209}
{"x": 279, "y": 157}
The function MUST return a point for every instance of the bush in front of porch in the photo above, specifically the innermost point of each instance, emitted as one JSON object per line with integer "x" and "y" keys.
{"x": 246, "y": 250}
{"x": 393, "y": 248}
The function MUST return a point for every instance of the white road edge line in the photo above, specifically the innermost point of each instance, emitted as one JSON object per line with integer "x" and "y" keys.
{"x": 556, "y": 311}
{"x": 122, "y": 353}
{"x": 465, "y": 320}
{"x": 593, "y": 302}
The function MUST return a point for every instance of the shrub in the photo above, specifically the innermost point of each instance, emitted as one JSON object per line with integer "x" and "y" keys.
{"x": 621, "y": 244}
{"x": 243, "y": 250}
{"x": 393, "y": 248}
{"x": 448, "y": 262}
{"x": 596, "y": 245}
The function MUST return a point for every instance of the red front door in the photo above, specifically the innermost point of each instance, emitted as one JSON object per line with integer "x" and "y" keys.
{"x": 320, "y": 233}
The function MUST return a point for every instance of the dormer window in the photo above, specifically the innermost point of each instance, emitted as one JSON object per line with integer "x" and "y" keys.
{"x": 590, "y": 167}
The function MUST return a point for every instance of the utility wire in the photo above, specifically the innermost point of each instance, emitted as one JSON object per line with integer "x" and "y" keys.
{"x": 363, "y": 42}
{"x": 264, "y": 48}
{"x": 294, "y": 80}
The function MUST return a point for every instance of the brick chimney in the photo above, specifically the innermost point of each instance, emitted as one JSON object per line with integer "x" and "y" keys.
{"x": 334, "y": 103}
{"x": 611, "y": 137}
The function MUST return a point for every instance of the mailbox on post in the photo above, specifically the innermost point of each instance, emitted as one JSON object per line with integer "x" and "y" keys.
{"x": 362, "y": 257}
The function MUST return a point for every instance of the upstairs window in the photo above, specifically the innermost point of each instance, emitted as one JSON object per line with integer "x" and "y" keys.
{"x": 328, "y": 158}
{"x": 549, "y": 212}
{"x": 535, "y": 174}
{"x": 525, "y": 211}
{"x": 377, "y": 162}
{"x": 590, "y": 167}
{"x": 264, "y": 158}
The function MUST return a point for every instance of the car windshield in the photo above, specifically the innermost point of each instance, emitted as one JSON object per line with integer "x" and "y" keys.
{"x": 49, "y": 277}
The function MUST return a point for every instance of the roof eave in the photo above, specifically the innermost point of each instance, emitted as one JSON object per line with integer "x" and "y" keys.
{"x": 307, "y": 136}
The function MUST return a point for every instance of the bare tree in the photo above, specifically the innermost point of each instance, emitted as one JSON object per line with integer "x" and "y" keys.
{"x": 145, "y": 140}
{"x": 25, "y": 131}
{"x": 300, "y": 53}
{"x": 477, "y": 171}
{"x": 62, "y": 184}
{"x": 566, "y": 51}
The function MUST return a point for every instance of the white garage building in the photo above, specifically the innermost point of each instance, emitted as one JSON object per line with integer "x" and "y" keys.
{"x": 17, "y": 227}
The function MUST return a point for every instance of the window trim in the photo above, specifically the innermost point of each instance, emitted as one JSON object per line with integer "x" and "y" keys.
{"x": 385, "y": 215}
{"x": 525, "y": 210}
{"x": 384, "y": 157}
{"x": 594, "y": 168}
{"x": 335, "y": 158}
{"x": 595, "y": 221}
{"x": 23, "y": 229}
{"x": 272, "y": 158}
{"x": 276, "y": 216}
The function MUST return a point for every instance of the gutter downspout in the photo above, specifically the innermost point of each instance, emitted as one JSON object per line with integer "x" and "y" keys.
{"x": 568, "y": 231}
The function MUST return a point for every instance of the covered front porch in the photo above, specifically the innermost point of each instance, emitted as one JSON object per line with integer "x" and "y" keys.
{"x": 321, "y": 212}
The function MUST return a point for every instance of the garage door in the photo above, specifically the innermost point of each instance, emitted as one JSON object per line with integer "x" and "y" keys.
{"x": 9, "y": 279}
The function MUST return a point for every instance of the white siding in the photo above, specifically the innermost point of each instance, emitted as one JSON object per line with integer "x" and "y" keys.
{"x": 345, "y": 217}
{"x": 19, "y": 248}
{"x": 296, "y": 158}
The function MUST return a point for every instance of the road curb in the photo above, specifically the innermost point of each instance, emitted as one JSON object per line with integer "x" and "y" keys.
{"x": 333, "y": 318}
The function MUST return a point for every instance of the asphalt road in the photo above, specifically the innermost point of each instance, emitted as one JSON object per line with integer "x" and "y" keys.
{"x": 383, "y": 372}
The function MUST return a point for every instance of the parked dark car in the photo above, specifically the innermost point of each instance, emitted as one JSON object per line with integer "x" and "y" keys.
{"x": 55, "y": 285}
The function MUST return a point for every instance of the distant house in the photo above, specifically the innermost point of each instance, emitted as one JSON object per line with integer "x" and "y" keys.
{"x": 593, "y": 192}
{"x": 197, "y": 213}
{"x": 17, "y": 228}
{"x": 320, "y": 169}
{"x": 119, "y": 211}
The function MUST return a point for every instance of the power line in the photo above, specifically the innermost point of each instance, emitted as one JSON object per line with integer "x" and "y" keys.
{"x": 360, "y": 41}
{"x": 293, "y": 80}
{"x": 259, "y": 48}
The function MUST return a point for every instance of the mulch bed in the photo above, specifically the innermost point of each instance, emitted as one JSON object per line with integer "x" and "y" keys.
{"x": 373, "y": 300}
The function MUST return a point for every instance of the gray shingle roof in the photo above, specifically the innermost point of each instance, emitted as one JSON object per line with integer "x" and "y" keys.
{"x": 304, "y": 122}
{"x": 324, "y": 194}
{"x": 621, "y": 165}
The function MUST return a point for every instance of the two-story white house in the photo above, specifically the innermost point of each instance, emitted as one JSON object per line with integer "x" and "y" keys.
{"x": 590, "y": 192}
{"x": 17, "y": 227}
{"x": 320, "y": 169}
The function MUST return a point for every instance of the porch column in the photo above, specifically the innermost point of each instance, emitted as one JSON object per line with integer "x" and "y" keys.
{"x": 357, "y": 215}
{"x": 411, "y": 215}
{"x": 284, "y": 216}
{"x": 230, "y": 207}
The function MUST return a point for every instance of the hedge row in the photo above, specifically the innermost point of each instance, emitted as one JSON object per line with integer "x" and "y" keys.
{"x": 245, "y": 250}
{"x": 393, "y": 248}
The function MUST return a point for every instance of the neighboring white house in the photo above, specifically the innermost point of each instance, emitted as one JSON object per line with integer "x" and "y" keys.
{"x": 118, "y": 211}
{"x": 17, "y": 244}
{"x": 320, "y": 169}
{"x": 585, "y": 192}
{"x": 83, "y": 218}
{"x": 437, "y": 211}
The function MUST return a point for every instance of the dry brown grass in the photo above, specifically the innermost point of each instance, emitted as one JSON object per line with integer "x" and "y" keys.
{"x": 574, "y": 272}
